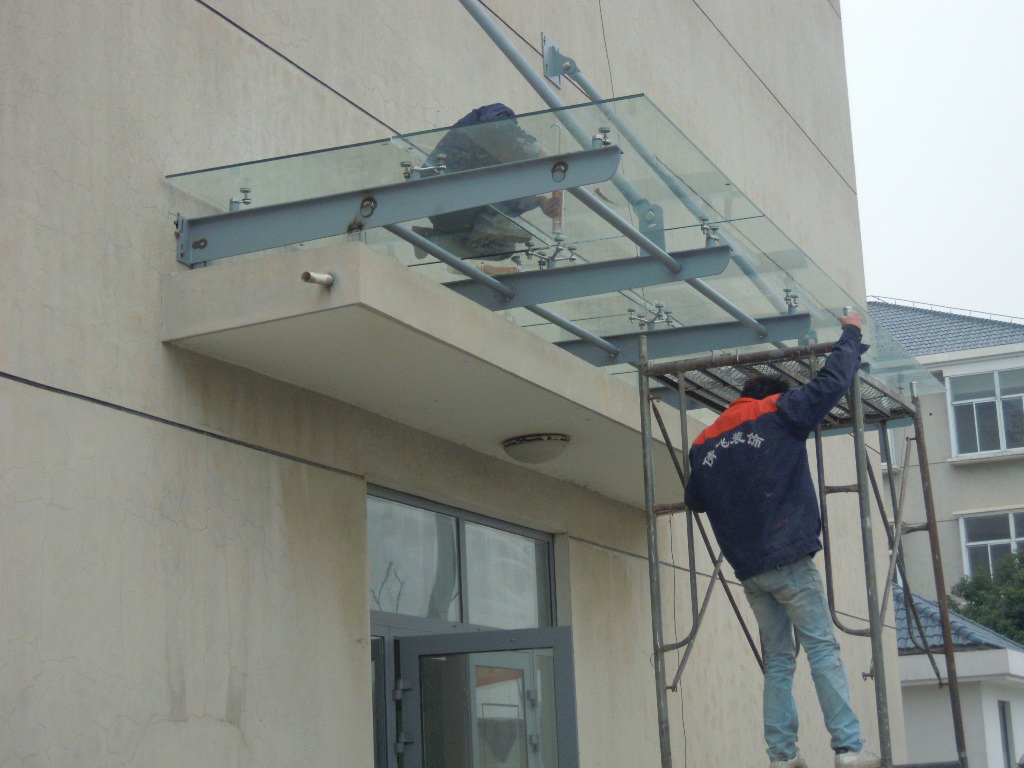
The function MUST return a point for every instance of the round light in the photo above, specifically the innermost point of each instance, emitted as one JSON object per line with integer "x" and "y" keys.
{"x": 536, "y": 449}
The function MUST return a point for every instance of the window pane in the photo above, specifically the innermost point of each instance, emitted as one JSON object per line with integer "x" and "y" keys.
{"x": 977, "y": 561}
{"x": 988, "y": 426}
{"x": 413, "y": 561}
{"x": 1011, "y": 382}
{"x": 379, "y": 702}
{"x": 508, "y": 579}
{"x": 997, "y": 552}
{"x": 966, "y": 434}
{"x": 973, "y": 387}
{"x": 1013, "y": 422}
{"x": 987, "y": 528}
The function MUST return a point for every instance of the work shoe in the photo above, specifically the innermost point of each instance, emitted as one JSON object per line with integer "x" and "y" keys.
{"x": 797, "y": 761}
{"x": 865, "y": 758}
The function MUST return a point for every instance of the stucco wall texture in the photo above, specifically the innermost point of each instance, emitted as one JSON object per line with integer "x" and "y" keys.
{"x": 182, "y": 542}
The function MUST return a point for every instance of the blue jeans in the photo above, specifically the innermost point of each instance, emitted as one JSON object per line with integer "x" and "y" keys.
{"x": 784, "y": 598}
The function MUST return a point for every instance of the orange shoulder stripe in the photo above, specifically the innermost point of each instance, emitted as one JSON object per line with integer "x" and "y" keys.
{"x": 742, "y": 410}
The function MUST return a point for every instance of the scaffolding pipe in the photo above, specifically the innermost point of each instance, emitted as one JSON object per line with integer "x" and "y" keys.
{"x": 875, "y": 619}
{"x": 653, "y": 565}
{"x": 940, "y": 580}
{"x": 700, "y": 619}
{"x": 497, "y": 286}
{"x": 682, "y": 474}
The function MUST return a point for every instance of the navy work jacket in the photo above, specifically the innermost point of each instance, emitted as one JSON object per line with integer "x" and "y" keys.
{"x": 750, "y": 471}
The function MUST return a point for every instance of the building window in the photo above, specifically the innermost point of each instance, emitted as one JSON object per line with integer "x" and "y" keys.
{"x": 1006, "y": 733}
{"x": 987, "y": 411}
{"x": 989, "y": 538}
{"x": 436, "y": 562}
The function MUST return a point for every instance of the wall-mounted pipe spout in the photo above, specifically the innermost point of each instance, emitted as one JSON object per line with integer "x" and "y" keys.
{"x": 318, "y": 278}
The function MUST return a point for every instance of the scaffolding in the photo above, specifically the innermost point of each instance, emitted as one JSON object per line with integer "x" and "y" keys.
{"x": 713, "y": 382}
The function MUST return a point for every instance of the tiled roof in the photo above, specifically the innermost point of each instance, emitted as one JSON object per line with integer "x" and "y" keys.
{"x": 967, "y": 634}
{"x": 930, "y": 331}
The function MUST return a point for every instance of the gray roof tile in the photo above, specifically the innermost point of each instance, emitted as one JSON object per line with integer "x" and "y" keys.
{"x": 930, "y": 331}
{"x": 967, "y": 634}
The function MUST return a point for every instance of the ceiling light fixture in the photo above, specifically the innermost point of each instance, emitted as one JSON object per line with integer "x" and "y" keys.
{"x": 536, "y": 449}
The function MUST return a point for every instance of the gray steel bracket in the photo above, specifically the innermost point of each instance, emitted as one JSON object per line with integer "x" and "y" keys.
{"x": 555, "y": 64}
{"x": 651, "y": 222}
{"x": 693, "y": 339}
{"x": 542, "y": 287}
{"x": 233, "y": 233}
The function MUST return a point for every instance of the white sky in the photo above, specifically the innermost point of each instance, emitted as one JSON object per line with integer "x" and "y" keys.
{"x": 937, "y": 101}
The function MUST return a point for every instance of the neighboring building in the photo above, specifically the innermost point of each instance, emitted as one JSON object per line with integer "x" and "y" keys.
{"x": 990, "y": 670}
{"x": 974, "y": 435}
{"x": 231, "y": 502}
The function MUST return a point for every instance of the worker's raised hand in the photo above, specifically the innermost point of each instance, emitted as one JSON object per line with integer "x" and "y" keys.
{"x": 853, "y": 319}
{"x": 550, "y": 205}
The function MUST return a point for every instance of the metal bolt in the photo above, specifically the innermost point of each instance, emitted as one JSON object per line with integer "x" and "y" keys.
{"x": 199, "y": 244}
{"x": 649, "y": 216}
{"x": 367, "y": 207}
{"x": 558, "y": 170}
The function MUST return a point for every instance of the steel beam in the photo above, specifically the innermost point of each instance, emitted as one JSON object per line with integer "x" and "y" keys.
{"x": 544, "y": 286}
{"x": 208, "y": 238}
{"x": 672, "y": 342}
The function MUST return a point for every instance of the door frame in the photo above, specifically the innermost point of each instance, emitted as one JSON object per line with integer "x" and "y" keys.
{"x": 558, "y": 639}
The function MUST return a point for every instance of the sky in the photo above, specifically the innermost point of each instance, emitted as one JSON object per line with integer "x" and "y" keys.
{"x": 937, "y": 105}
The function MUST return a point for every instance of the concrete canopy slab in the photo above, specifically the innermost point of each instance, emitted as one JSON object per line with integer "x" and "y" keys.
{"x": 399, "y": 345}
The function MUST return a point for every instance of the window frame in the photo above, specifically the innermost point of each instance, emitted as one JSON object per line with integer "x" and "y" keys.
{"x": 997, "y": 399}
{"x": 1016, "y": 539}
{"x": 462, "y": 517}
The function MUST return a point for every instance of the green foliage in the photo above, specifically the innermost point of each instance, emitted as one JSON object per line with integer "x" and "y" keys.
{"x": 997, "y": 602}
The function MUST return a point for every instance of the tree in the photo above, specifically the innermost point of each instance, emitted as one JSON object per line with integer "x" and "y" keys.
{"x": 995, "y": 601}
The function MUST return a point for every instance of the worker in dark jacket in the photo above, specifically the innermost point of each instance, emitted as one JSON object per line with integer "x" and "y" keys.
{"x": 751, "y": 476}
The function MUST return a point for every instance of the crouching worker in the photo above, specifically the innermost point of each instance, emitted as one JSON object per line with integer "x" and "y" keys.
{"x": 750, "y": 474}
{"x": 488, "y": 135}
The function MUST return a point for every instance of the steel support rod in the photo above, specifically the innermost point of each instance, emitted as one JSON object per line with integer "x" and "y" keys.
{"x": 940, "y": 580}
{"x": 545, "y": 91}
{"x": 672, "y": 183}
{"x": 647, "y": 441}
{"x": 496, "y": 285}
{"x": 644, "y": 243}
{"x": 875, "y": 619}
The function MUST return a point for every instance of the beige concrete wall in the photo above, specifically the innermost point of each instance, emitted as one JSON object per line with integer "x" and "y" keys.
{"x": 171, "y": 597}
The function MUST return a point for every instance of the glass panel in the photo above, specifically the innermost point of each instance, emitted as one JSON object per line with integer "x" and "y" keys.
{"x": 488, "y": 710}
{"x": 988, "y": 426}
{"x": 413, "y": 561}
{"x": 1013, "y": 421}
{"x": 1011, "y": 382}
{"x": 996, "y": 553}
{"x": 379, "y": 702}
{"x": 659, "y": 167}
{"x": 987, "y": 528}
{"x": 966, "y": 429}
{"x": 508, "y": 579}
{"x": 973, "y": 387}
{"x": 977, "y": 561}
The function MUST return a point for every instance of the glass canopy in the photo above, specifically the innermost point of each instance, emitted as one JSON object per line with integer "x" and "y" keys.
{"x": 659, "y": 167}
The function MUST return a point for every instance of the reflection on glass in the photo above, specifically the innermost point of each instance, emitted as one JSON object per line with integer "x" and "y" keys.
{"x": 413, "y": 561}
{"x": 489, "y": 710}
{"x": 507, "y": 579}
{"x": 1013, "y": 422}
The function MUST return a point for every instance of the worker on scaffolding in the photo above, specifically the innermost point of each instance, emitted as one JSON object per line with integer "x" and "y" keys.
{"x": 750, "y": 474}
{"x": 488, "y": 135}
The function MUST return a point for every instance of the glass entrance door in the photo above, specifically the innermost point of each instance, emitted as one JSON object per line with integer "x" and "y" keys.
{"x": 488, "y": 700}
